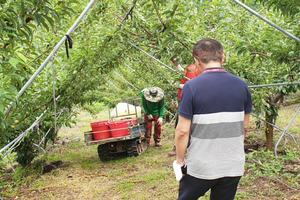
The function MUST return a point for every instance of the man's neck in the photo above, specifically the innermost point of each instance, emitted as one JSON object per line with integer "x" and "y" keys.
{"x": 209, "y": 65}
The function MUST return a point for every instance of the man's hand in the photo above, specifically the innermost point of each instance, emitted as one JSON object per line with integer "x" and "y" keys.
{"x": 177, "y": 66}
{"x": 174, "y": 62}
{"x": 159, "y": 121}
{"x": 174, "y": 84}
{"x": 150, "y": 117}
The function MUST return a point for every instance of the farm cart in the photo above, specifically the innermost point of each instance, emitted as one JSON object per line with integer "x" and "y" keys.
{"x": 123, "y": 133}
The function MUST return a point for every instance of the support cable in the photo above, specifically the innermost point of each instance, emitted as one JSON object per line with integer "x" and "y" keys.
{"x": 54, "y": 101}
{"x": 39, "y": 145}
{"x": 51, "y": 54}
{"x": 174, "y": 116}
{"x": 275, "y": 127}
{"x": 274, "y": 84}
{"x": 10, "y": 163}
{"x": 157, "y": 60}
{"x": 284, "y": 132}
{"x": 125, "y": 80}
{"x": 112, "y": 84}
{"x": 150, "y": 69}
{"x": 269, "y": 22}
{"x": 138, "y": 89}
{"x": 20, "y": 137}
{"x": 136, "y": 73}
{"x": 170, "y": 112}
{"x": 129, "y": 67}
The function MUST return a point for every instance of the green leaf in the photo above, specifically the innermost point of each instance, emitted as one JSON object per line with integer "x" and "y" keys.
{"x": 23, "y": 58}
{"x": 1, "y": 28}
{"x": 51, "y": 22}
{"x": 172, "y": 41}
{"x": 28, "y": 29}
{"x": 14, "y": 62}
{"x": 1, "y": 108}
{"x": 45, "y": 25}
{"x": 21, "y": 22}
{"x": 168, "y": 30}
{"x": 38, "y": 18}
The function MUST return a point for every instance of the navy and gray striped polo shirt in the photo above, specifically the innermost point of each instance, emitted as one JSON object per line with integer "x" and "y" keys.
{"x": 216, "y": 102}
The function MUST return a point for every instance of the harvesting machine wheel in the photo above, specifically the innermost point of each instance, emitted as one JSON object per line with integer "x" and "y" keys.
{"x": 134, "y": 147}
{"x": 103, "y": 152}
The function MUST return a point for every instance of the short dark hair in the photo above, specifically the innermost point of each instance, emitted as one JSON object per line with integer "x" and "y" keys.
{"x": 207, "y": 50}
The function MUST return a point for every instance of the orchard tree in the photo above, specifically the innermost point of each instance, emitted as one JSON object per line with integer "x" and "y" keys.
{"x": 101, "y": 50}
{"x": 273, "y": 58}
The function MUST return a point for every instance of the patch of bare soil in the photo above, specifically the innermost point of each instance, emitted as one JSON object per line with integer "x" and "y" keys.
{"x": 252, "y": 144}
{"x": 268, "y": 188}
{"x": 53, "y": 165}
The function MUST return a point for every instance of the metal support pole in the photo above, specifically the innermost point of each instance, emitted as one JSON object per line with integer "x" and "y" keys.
{"x": 173, "y": 118}
{"x": 273, "y": 126}
{"x": 22, "y": 135}
{"x": 51, "y": 54}
{"x": 269, "y": 22}
{"x": 10, "y": 163}
{"x": 129, "y": 67}
{"x": 158, "y": 60}
{"x": 274, "y": 84}
{"x": 284, "y": 132}
{"x": 112, "y": 84}
{"x": 169, "y": 112}
{"x": 39, "y": 146}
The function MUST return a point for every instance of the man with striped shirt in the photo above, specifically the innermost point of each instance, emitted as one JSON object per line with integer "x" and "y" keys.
{"x": 218, "y": 106}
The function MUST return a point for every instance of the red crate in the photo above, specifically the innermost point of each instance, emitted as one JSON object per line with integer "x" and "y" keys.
{"x": 119, "y": 128}
{"x": 101, "y": 130}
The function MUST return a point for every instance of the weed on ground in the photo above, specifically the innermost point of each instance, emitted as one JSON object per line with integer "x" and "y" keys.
{"x": 72, "y": 170}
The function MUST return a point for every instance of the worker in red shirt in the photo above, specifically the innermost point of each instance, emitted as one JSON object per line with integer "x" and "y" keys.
{"x": 190, "y": 72}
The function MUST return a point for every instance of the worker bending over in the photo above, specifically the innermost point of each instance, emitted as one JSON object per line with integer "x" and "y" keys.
{"x": 153, "y": 102}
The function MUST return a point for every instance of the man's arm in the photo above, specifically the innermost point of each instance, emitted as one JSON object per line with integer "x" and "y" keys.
{"x": 146, "y": 110}
{"x": 162, "y": 107}
{"x": 182, "y": 138}
{"x": 246, "y": 124}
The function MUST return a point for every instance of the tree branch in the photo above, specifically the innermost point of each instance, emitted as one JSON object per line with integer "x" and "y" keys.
{"x": 265, "y": 55}
{"x": 295, "y": 60}
{"x": 277, "y": 98}
{"x": 158, "y": 15}
{"x": 262, "y": 54}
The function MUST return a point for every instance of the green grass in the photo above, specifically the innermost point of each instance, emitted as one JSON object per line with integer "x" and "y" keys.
{"x": 148, "y": 176}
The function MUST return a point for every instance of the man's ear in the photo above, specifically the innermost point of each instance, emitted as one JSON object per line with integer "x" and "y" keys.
{"x": 197, "y": 62}
{"x": 223, "y": 59}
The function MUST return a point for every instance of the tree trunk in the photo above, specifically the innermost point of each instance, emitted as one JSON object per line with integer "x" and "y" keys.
{"x": 269, "y": 133}
{"x": 45, "y": 143}
{"x": 271, "y": 119}
{"x": 167, "y": 118}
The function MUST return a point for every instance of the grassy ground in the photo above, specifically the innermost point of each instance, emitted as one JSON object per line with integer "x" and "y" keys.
{"x": 75, "y": 171}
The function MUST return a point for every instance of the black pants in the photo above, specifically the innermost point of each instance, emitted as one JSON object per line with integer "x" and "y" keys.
{"x": 191, "y": 188}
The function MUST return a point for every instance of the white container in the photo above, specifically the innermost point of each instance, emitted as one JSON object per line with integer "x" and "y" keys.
{"x": 125, "y": 111}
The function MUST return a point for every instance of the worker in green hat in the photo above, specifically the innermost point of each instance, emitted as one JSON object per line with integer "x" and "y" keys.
{"x": 153, "y": 102}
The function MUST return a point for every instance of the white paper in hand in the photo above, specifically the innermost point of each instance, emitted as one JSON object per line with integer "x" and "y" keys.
{"x": 177, "y": 170}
